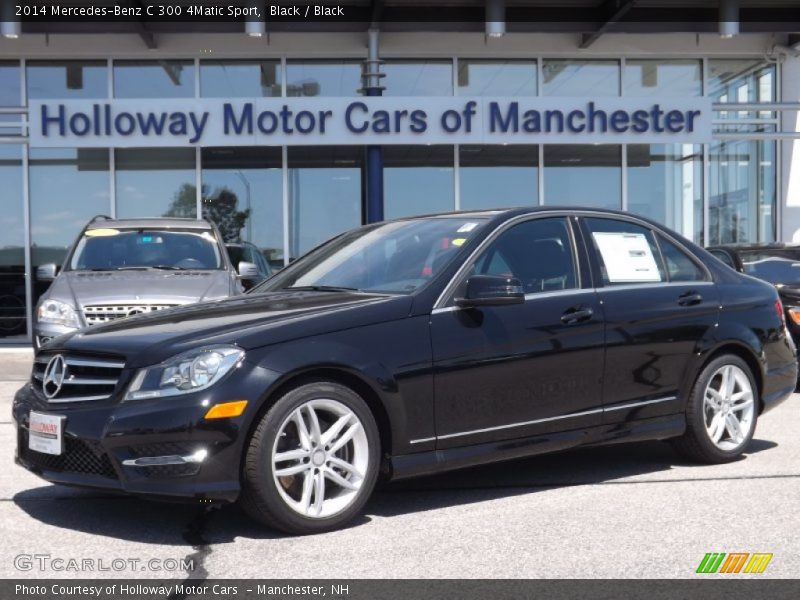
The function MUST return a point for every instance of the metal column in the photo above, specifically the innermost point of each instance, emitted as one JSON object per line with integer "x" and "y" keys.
{"x": 373, "y": 205}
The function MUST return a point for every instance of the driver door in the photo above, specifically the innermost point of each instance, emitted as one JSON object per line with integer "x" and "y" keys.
{"x": 506, "y": 372}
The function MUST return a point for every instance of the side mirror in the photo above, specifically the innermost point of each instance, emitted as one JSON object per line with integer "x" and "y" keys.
{"x": 491, "y": 290}
{"x": 46, "y": 272}
{"x": 247, "y": 270}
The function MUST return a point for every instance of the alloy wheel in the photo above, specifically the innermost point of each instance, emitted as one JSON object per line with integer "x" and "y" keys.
{"x": 320, "y": 458}
{"x": 728, "y": 405}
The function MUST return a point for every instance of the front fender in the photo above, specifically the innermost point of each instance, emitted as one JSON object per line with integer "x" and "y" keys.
{"x": 393, "y": 361}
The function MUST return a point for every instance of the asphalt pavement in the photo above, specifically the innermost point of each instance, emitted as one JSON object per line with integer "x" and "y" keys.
{"x": 617, "y": 511}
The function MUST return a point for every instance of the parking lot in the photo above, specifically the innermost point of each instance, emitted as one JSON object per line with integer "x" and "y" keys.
{"x": 620, "y": 511}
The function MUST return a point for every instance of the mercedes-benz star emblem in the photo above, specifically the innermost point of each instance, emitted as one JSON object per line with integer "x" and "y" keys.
{"x": 54, "y": 376}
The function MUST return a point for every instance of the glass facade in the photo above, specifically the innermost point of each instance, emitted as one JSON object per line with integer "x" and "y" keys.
{"x": 498, "y": 176}
{"x": 418, "y": 78}
{"x": 323, "y": 78}
{"x": 497, "y": 77}
{"x": 665, "y": 183}
{"x": 155, "y": 182}
{"x": 10, "y": 96}
{"x": 13, "y": 324}
{"x": 287, "y": 200}
{"x": 417, "y": 180}
{"x": 240, "y": 79}
{"x": 674, "y": 77}
{"x": 571, "y": 77}
{"x": 324, "y": 194}
{"x": 742, "y": 174}
{"x": 588, "y": 175}
{"x": 68, "y": 186}
{"x": 242, "y": 192}
{"x": 71, "y": 79}
{"x": 154, "y": 79}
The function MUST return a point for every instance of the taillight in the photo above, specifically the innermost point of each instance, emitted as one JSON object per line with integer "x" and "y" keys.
{"x": 794, "y": 315}
{"x": 781, "y": 314}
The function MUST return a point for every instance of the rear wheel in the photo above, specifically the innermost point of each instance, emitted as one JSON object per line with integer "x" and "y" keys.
{"x": 312, "y": 461}
{"x": 721, "y": 413}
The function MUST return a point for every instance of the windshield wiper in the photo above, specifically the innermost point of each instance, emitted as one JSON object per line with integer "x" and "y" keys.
{"x": 322, "y": 288}
{"x": 147, "y": 268}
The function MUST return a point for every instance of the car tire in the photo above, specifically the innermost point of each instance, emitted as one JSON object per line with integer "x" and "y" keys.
{"x": 289, "y": 459}
{"x": 710, "y": 436}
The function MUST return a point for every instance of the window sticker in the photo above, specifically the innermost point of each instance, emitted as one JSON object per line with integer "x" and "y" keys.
{"x": 627, "y": 256}
{"x": 467, "y": 227}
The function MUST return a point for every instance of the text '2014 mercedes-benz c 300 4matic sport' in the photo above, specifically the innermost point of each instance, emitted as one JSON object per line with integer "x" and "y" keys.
{"x": 411, "y": 347}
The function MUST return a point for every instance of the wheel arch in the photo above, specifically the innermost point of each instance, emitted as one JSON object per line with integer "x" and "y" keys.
{"x": 343, "y": 376}
{"x": 743, "y": 351}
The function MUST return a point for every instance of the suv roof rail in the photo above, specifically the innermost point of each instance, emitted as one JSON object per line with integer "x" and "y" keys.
{"x": 98, "y": 217}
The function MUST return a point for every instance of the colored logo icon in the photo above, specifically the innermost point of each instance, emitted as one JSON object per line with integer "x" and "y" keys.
{"x": 734, "y": 562}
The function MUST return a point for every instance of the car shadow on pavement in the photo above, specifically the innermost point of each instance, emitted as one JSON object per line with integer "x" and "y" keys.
{"x": 132, "y": 519}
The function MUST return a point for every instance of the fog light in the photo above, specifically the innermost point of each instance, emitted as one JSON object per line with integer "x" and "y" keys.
{"x": 227, "y": 410}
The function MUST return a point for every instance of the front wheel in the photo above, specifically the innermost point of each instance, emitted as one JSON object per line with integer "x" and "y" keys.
{"x": 312, "y": 461}
{"x": 721, "y": 413}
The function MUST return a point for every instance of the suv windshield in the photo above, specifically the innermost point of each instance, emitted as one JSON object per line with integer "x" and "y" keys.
{"x": 119, "y": 249}
{"x": 396, "y": 257}
{"x": 775, "y": 266}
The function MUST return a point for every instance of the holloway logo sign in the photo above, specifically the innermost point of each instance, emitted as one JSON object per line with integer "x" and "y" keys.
{"x": 342, "y": 121}
{"x": 735, "y": 562}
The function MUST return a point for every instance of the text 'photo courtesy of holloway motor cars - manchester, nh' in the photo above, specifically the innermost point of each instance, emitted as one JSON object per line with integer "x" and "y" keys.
{"x": 383, "y": 298}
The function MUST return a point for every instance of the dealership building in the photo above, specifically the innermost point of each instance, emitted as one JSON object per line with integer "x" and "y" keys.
{"x": 304, "y": 130}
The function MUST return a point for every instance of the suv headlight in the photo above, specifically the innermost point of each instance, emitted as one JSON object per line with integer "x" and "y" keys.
{"x": 186, "y": 373}
{"x": 57, "y": 313}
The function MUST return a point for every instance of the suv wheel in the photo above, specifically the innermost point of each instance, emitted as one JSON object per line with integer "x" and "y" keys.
{"x": 722, "y": 412}
{"x": 312, "y": 461}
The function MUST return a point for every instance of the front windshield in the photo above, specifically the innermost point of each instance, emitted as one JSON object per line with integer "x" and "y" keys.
{"x": 121, "y": 249}
{"x": 394, "y": 258}
{"x": 776, "y": 266}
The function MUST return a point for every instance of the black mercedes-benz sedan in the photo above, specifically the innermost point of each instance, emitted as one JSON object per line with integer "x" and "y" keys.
{"x": 778, "y": 264}
{"x": 411, "y": 347}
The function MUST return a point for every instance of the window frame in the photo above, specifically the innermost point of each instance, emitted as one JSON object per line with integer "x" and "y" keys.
{"x": 446, "y": 300}
{"x": 595, "y": 258}
{"x": 701, "y": 267}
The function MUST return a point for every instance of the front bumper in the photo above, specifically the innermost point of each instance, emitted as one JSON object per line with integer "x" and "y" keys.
{"x": 102, "y": 441}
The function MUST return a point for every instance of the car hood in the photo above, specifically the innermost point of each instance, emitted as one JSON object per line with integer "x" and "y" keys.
{"x": 83, "y": 288}
{"x": 249, "y": 321}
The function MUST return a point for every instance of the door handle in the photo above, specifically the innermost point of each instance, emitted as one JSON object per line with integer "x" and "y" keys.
{"x": 690, "y": 299}
{"x": 576, "y": 314}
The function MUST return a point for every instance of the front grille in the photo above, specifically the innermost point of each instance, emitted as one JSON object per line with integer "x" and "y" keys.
{"x": 85, "y": 378}
{"x": 80, "y": 456}
{"x": 103, "y": 313}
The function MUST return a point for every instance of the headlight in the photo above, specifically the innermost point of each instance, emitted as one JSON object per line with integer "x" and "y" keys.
{"x": 58, "y": 313}
{"x": 188, "y": 372}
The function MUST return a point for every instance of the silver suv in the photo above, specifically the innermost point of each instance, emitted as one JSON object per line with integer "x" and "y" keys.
{"x": 126, "y": 267}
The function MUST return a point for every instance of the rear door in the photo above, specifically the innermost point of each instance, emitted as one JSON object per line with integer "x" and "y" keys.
{"x": 659, "y": 302}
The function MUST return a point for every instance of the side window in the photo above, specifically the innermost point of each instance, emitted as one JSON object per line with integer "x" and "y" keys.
{"x": 679, "y": 266}
{"x": 724, "y": 257}
{"x": 627, "y": 252}
{"x": 537, "y": 252}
